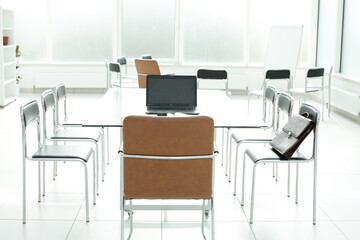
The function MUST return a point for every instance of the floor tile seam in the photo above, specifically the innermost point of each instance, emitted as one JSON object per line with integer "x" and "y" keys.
{"x": 333, "y": 222}
{"x": 74, "y": 221}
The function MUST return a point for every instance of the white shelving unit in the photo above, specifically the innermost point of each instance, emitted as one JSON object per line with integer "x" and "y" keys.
{"x": 7, "y": 58}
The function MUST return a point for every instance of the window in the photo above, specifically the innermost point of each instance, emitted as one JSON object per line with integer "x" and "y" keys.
{"x": 264, "y": 13}
{"x": 148, "y": 28}
{"x": 31, "y": 21}
{"x": 326, "y": 43}
{"x": 213, "y": 31}
{"x": 351, "y": 38}
{"x": 81, "y": 30}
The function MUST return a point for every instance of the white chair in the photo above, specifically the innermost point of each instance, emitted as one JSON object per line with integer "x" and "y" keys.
{"x": 315, "y": 82}
{"x": 271, "y": 75}
{"x": 267, "y": 155}
{"x": 284, "y": 104}
{"x": 214, "y": 75}
{"x": 30, "y": 114}
{"x": 61, "y": 99}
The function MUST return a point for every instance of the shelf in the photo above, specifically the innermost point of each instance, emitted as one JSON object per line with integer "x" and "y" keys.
{"x": 8, "y": 29}
{"x": 9, "y": 81}
{"x": 9, "y": 100}
{"x": 9, "y": 64}
{"x": 8, "y": 46}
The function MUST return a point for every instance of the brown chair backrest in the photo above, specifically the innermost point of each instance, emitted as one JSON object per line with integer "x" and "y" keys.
{"x": 168, "y": 136}
{"x": 146, "y": 67}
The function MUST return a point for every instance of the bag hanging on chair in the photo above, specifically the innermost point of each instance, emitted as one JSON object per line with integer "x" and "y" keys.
{"x": 292, "y": 135}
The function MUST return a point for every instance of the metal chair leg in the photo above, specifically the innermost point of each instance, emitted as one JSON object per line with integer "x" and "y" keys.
{"x": 223, "y": 147}
{"x": 252, "y": 195}
{"x": 24, "y": 190}
{"x": 44, "y": 170}
{"x": 131, "y": 221}
{"x": 122, "y": 205}
{"x": 86, "y": 193}
{"x": 229, "y": 159}
{"x": 203, "y": 219}
{"x": 297, "y": 184}
{"x": 95, "y": 182}
{"x": 226, "y": 153}
{"x": 243, "y": 181}
{"x": 236, "y": 167}
{"x": 314, "y": 192}
{"x": 39, "y": 181}
{"x": 288, "y": 186}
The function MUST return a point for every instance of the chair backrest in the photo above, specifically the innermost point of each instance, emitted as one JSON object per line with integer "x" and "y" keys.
{"x": 277, "y": 74}
{"x": 29, "y": 113}
{"x": 270, "y": 97}
{"x": 211, "y": 74}
{"x": 123, "y": 63}
{"x": 315, "y": 72}
{"x": 114, "y": 67}
{"x": 162, "y": 136}
{"x": 285, "y": 103}
{"x": 146, "y": 56}
{"x": 146, "y": 67}
{"x": 60, "y": 95}
{"x": 313, "y": 114}
{"x": 121, "y": 60}
{"x": 48, "y": 103}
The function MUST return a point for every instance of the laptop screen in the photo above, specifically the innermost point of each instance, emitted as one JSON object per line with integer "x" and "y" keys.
{"x": 171, "y": 92}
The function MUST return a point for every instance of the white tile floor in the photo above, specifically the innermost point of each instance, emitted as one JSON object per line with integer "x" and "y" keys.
{"x": 61, "y": 214}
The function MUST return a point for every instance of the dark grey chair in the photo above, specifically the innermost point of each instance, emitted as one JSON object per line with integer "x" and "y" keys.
{"x": 270, "y": 103}
{"x": 114, "y": 69}
{"x": 271, "y": 75}
{"x": 64, "y": 135}
{"x": 269, "y": 156}
{"x": 315, "y": 82}
{"x": 61, "y": 99}
{"x": 216, "y": 75}
{"x": 30, "y": 115}
{"x": 146, "y": 56}
{"x": 284, "y": 105}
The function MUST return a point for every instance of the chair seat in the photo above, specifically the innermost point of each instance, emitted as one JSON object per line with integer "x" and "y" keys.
{"x": 257, "y": 92}
{"x": 268, "y": 155}
{"x": 302, "y": 90}
{"x": 64, "y": 151}
{"x": 77, "y": 133}
{"x": 253, "y": 135}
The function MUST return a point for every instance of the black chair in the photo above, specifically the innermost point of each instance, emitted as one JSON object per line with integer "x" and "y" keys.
{"x": 91, "y": 134}
{"x": 30, "y": 114}
{"x": 216, "y": 75}
{"x": 271, "y": 75}
{"x": 284, "y": 105}
{"x": 146, "y": 56}
{"x": 315, "y": 82}
{"x": 269, "y": 156}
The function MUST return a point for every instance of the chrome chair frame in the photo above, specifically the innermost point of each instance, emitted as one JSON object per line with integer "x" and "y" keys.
{"x": 271, "y": 75}
{"x": 60, "y": 95}
{"x": 49, "y": 104}
{"x": 32, "y": 116}
{"x": 114, "y": 68}
{"x": 217, "y": 75}
{"x": 314, "y": 115}
{"x": 124, "y": 207}
{"x": 285, "y": 103}
{"x": 311, "y": 75}
{"x": 270, "y": 97}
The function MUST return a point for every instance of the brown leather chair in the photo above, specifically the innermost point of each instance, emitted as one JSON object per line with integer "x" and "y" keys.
{"x": 146, "y": 67}
{"x": 167, "y": 158}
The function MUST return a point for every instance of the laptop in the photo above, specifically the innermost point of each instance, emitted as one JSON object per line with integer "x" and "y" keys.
{"x": 171, "y": 94}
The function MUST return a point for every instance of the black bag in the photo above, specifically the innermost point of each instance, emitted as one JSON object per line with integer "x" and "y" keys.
{"x": 292, "y": 135}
